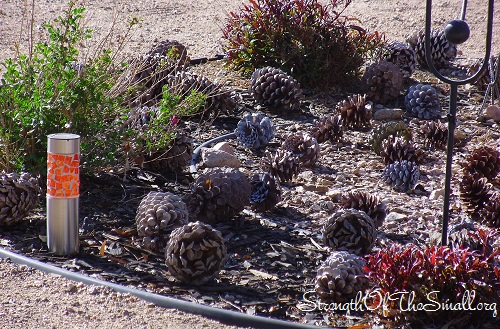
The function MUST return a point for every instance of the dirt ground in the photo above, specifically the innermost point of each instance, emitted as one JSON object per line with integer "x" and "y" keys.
{"x": 27, "y": 294}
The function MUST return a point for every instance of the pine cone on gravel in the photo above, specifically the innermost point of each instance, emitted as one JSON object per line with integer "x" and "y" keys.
{"x": 157, "y": 215}
{"x": 329, "y": 128}
{"x": 218, "y": 194}
{"x": 340, "y": 277}
{"x": 484, "y": 160}
{"x": 383, "y": 131}
{"x": 484, "y": 79}
{"x": 282, "y": 164}
{"x": 350, "y": 230}
{"x": 401, "y": 175}
{"x": 254, "y": 130}
{"x": 398, "y": 149}
{"x": 382, "y": 82}
{"x": 355, "y": 112}
{"x": 304, "y": 147}
{"x": 489, "y": 215}
{"x": 273, "y": 87}
{"x": 367, "y": 202}
{"x": 265, "y": 192}
{"x": 399, "y": 53}
{"x": 19, "y": 193}
{"x": 442, "y": 51}
{"x": 195, "y": 253}
{"x": 435, "y": 134}
{"x": 474, "y": 191}
{"x": 422, "y": 101}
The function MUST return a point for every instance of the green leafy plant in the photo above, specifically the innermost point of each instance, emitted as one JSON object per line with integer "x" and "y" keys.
{"x": 315, "y": 43}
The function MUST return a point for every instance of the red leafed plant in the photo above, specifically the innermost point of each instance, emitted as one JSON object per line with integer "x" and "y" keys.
{"x": 313, "y": 42}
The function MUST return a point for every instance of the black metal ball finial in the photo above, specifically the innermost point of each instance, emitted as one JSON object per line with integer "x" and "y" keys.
{"x": 457, "y": 31}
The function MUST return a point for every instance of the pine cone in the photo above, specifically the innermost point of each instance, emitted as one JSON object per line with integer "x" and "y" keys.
{"x": 282, "y": 164}
{"x": 474, "y": 191}
{"x": 218, "y": 194}
{"x": 367, "y": 202}
{"x": 195, "y": 253}
{"x": 397, "y": 149}
{"x": 401, "y": 175}
{"x": 157, "y": 215}
{"x": 255, "y": 130}
{"x": 435, "y": 134}
{"x": 304, "y": 147}
{"x": 383, "y": 131}
{"x": 18, "y": 195}
{"x": 273, "y": 87}
{"x": 484, "y": 79}
{"x": 471, "y": 239}
{"x": 350, "y": 230}
{"x": 328, "y": 128}
{"x": 340, "y": 277}
{"x": 399, "y": 53}
{"x": 485, "y": 161}
{"x": 382, "y": 82}
{"x": 174, "y": 158}
{"x": 354, "y": 111}
{"x": 442, "y": 51}
{"x": 265, "y": 192}
{"x": 489, "y": 215}
{"x": 422, "y": 102}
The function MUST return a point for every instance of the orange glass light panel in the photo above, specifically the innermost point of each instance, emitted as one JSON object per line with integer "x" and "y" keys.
{"x": 63, "y": 175}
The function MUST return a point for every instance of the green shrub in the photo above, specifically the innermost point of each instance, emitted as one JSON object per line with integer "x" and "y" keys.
{"x": 315, "y": 43}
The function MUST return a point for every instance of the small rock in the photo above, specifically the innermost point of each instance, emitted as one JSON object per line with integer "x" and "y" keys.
{"x": 394, "y": 217}
{"x": 215, "y": 158}
{"x": 388, "y": 114}
{"x": 436, "y": 194}
{"x": 224, "y": 146}
{"x": 492, "y": 112}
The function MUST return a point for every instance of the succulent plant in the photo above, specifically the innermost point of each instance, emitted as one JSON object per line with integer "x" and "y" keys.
{"x": 19, "y": 193}
{"x": 483, "y": 160}
{"x": 273, "y": 87}
{"x": 399, "y": 53}
{"x": 367, "y": 202}
{"x": 157, "y": 215}
{"x": 303, "y": 146}
{"x": 398, "y": 149}
{"x": 328, "y": 128}
{"x": 382, "y": 82}
{"x": 355, "y": 112}
{"x": 265, "y": 192}
{"x": 218, "y": 194}
{"x": 195, "y": 253}
{"x": 474, "y": 191}
{"x": 350, "y": 230}
{"x": 383, "y": 131}
{"x": 435, "y": 134}
{"x": 442, "y": 51}
{"x": 422, "y": 101}
{"x": 401, "y": 175}
{"x": 282, "y": 164}
{"x": 340, "y": 277}
{"x": 254, "y": 130}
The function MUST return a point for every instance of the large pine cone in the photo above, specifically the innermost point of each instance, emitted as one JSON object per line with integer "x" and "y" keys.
{"x": 367, "y": 202}
{"x": 174, "y": 158}
{"x": 340, "y": 277}
{"x": 442, "y": 51}
{"x": 354, "y": 111}
{"x": 490, "y": 214}
{"x": 254, "y": 130}
{"x": 273, "y": 87}
{"x": 474, "y": 191}
{"x": 383, "y": 131}
{"x": 282, "y": 164}
{"x": 399, "y": 53}
{"x": 422, "y": 101}
{"x": 265, "y": 192}
{"x": 328, "y": 128}
{"x": 18, "y": 195}
{"x": 195, "y": 253}
{"x": 401, "y": 175}
{"x": 382, "y": 82}
{"x": 435, "y": 134}
{"x": 218, "y": 194}
{"x": 304, "y": 147}
{"x": 157, "y": 215}
{"x": 485, "y": 161}
{"x": 398, "y": 149}
{"x": 350, "y": 230}
{"x": 484, "y": 79}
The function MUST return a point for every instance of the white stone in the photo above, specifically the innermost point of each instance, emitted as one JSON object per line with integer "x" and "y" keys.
{"x": 224, "y": 146}
{"x": 436, "y": 194}
{"x": 388, "y": 114}
{"x": 215, "y": 158}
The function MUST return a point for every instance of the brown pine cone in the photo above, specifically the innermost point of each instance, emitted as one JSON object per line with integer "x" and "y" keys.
{"x": 282, "y": 164}
{"x": 490, "y": 214}
{"x": 474, "y": 191}
{"x": 328, "y": 128}
{"x": 382, "y": 82}
{"x": 355, "y": 112}
{"x": 484, "y": 160}
{"x": 304, "y": 146}
{"x": 367, "y": 202}
{"x": 398, "y": 149}
{"x": 435, "y": 134}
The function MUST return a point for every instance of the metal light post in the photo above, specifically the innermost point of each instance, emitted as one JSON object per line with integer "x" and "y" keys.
{"x": 457, "y": 32}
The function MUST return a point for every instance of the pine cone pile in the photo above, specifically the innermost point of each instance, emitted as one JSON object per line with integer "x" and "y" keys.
{"x": 304, "y": 147}
{"x": 265, "y": 192}
{"x": 254, "y": 130}
{"x": 18, "y": 195}
{"x": 350, "y": 230}
{"x": 340, "y": 277}
{"x": 174, "y": 158}
{"x": 366, "y": 202}
{"x": 329, "y": 128}
{"x": 282, "y": 164}
{"x": 401, "y": 175}
{"x": 382, "y": 82}
{"x": 383, "y": 131}
{"x": 157, "y": 215}
{"x": 485, "y": 161}
{"x": 484, "y": 79}
{"x": 195, "y": 253}
{"x": 355, "y": 112}
{"x": 474, "y": 191}
{"x": 399, "y": 53}
{"x": 422, "y": 101}
{"x": 435, "y": 134}
{"x": 273, "y": 87}
{"x": 442, "y": 51}
{"x": 398, "y": 149}
{"x": 218, "y": 194}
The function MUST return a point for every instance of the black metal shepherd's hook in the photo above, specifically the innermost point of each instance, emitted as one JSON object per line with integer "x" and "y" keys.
{"x": 459, "y": 31}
